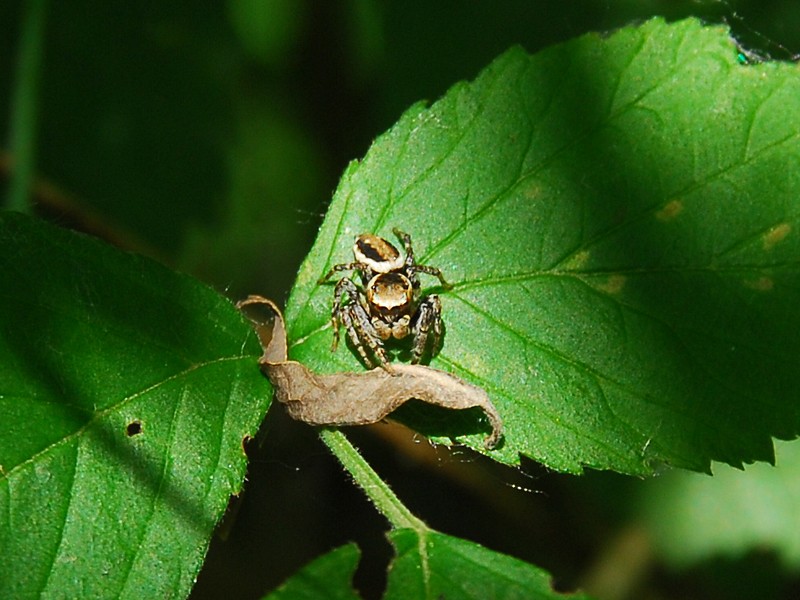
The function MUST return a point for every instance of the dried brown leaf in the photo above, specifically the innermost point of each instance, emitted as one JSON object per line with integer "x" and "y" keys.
{"x": 355, "y": 398}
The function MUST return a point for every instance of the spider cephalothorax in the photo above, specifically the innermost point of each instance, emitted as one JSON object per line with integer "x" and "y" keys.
{"x": 387, "y": 304}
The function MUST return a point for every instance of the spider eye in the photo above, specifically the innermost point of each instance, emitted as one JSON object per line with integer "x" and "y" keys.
{"x": 389, "y": 292}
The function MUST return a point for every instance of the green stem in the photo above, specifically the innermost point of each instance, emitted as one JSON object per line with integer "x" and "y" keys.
{"x": 377, "y": 490}
{"x": 22, "y": 128}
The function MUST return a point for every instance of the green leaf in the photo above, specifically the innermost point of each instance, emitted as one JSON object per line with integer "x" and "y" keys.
{"x": 326, "y": 578}
{"x": 126, "y": 392}
{"x": 620, "y": 217}
{"x": 434, "y": 565}
{"x": 428, "y": 565}
{"x": 692, "y": 517}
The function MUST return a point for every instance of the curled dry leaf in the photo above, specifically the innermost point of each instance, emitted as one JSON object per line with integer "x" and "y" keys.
{"x": 354, "y": 398}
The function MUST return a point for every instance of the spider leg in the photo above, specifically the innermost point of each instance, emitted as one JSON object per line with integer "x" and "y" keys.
{"x": 348, "y": 311}
{"x": 406, "y": 239}
{"x": 345, "y": 293}
{"x": 356, "y": 332}
{"x": 353, "y": 266}
{"x": 412, "y": 268}
{"x": 427, "y": 325}
{"x": 435, "y": 272}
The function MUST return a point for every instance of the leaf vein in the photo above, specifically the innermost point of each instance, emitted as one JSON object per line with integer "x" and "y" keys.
{"x": 113, "y": 407}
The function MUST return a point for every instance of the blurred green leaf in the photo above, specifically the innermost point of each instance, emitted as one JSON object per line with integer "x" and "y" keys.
{"x": 136, "y": 114}
{"x": 693, "y": 517}
{"x": 326, "y": 578}
{"x": 619, "y": 215}
{"x": 438, "y": 565}
{"x": 264, "y": 202}
{"x": 127, "y": 392}
{"x": 427, "y": 566}
{"x": 268, "y": 29}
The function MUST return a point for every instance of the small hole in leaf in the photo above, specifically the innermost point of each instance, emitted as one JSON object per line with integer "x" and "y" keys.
{"x": 133, "y": 428}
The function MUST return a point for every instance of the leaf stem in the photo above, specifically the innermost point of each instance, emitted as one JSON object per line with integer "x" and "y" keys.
{"x": 377, "y": 490}
{"x": 22, "y": 128}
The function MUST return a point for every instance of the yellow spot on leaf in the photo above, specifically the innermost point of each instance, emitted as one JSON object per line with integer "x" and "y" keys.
{"x": 762, "y": 284}
{"x": 775, "y": 235}
{"x": 670, "y": 210}
{"x": 613, "y": 285}
{"x": 576, "y": 261}
{"x": 533, "y": 190}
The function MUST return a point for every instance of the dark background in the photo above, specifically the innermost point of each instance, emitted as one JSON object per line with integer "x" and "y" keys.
{"x": 211, "y": 137}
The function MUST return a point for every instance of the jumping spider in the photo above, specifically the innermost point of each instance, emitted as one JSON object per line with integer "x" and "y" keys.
{"x": 387, "y": 304}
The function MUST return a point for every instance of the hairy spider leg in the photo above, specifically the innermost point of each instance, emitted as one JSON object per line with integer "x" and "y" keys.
{"x": 348, "y": 311}
{"x": 434, "y": 272}
{"x": 358, "y": 326}
{"x": 427, "y": 319}
{"x": 353, "y": 266}
{"x": 340, "y": 295}
{"x": 344, "y": 296}
{"x": 412, "y": 268}
{"x": 409, "y": 249}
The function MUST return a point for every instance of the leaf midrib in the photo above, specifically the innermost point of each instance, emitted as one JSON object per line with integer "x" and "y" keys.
{"x": 100, "y": 414}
